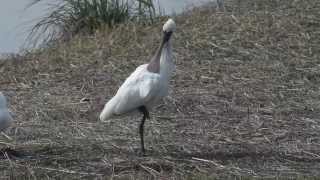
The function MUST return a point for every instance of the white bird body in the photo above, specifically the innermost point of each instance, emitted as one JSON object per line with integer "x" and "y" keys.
{"x": 142, "y": 87}
{"x": 5, "y": 117}
{"x": 147, "y": 85}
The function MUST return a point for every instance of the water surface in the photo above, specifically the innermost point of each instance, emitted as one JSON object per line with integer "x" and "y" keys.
{"x": 16, "y": 20}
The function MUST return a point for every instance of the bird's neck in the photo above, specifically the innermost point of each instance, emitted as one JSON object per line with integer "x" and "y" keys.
{"x": 162, "y": 55}
{"x": 166, "y": 62}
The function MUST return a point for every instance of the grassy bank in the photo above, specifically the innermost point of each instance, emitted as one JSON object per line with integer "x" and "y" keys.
{"x": 67, "y": 18}
{"x": 244, "y": 101}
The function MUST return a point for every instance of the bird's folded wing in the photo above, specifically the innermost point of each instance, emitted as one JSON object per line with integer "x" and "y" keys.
{"x": 136, "y": 91}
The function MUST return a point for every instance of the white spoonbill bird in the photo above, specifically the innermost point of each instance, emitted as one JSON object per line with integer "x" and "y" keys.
{"x": 5, "y": 117}
{"x": 146, "y": 86}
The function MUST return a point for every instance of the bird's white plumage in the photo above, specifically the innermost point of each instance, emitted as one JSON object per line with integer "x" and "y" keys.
{"x": 169, "y": 26}
{"x": 5, "y": 117}
{"x": 142, "y": 87}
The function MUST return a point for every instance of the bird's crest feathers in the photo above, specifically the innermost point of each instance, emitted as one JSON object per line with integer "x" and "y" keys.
{"x": 169, "y": 26}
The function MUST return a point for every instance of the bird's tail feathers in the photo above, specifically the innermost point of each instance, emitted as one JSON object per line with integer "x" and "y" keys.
{"x": 107, "y": 111}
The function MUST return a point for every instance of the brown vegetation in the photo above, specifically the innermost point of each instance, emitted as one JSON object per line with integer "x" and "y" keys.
{"x": 244, "y": 100}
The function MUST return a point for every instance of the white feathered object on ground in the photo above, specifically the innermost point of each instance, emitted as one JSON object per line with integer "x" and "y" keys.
{"x": 146, "y": 86}
{"x": 5, "y": 117}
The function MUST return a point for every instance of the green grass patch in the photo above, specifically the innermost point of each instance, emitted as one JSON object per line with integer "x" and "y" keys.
{"x": 67, "y": 18}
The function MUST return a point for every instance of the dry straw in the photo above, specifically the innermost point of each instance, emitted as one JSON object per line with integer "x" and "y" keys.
{"x": 244, "y": 100}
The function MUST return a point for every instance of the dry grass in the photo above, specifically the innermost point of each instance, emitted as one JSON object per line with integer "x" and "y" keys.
{"x": 244, "y": 101}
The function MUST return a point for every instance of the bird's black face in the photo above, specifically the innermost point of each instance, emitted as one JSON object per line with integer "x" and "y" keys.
{"x": 166, "y": 36}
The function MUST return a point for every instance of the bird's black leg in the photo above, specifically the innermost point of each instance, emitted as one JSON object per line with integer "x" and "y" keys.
{"x": 145, "y": 112}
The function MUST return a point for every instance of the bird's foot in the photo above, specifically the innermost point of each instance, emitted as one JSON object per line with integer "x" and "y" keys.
{"x": 9, "y": 153}
{"x": 142, "y": 154}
